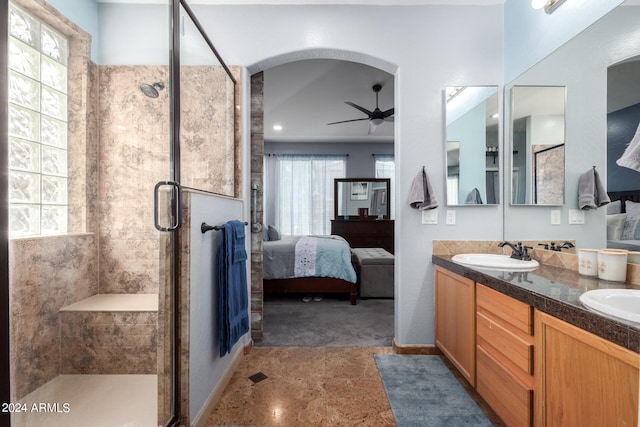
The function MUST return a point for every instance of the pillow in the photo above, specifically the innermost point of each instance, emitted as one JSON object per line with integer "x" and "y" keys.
{"x": 632, "y": 208}
{"x": 631, "y": 228}
{"x": 614, "y": 207}
{"x": 274, "y": 233}
{"x": 615, "y": 223}
{"x": 265, "y": 233}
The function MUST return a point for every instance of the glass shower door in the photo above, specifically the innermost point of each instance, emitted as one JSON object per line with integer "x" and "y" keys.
{"x": 90, "y": 301}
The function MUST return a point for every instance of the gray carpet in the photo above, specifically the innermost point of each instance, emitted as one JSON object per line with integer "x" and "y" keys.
{"x": 332, "y": 322}
{"x": 423, "y": 392}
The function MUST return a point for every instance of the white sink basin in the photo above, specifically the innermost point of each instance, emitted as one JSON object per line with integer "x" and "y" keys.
{"x": 620, "y": 303}
{"x": 495, "y": 262}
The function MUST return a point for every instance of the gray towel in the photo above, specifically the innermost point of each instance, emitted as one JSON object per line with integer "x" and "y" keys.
{"x": 421, "y": 195}
{"x": 591, "y": 192}
{"x": 631, "y": 156}
{"x": 474, "y": 198}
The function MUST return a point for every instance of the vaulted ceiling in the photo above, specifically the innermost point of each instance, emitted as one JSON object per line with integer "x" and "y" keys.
{"x": 303, "y": 96}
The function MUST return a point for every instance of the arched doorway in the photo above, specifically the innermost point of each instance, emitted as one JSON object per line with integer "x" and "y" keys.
{"x": 258, "y": 132}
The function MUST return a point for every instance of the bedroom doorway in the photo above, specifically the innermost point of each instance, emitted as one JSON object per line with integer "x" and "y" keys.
{"x": 292, "y": 105}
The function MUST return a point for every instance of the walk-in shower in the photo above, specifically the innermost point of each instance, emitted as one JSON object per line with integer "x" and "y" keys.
{"x": 151, "y": 90}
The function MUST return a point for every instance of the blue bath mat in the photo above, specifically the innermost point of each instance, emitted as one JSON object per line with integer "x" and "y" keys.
{"x": 423, "y": 392}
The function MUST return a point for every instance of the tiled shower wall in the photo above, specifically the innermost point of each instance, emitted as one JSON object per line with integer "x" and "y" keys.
{"x": 134, "y": 155}
{"x": 46, "y": 274}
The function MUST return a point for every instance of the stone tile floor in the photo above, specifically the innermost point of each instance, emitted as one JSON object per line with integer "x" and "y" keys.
{"x": 310, "y": 386}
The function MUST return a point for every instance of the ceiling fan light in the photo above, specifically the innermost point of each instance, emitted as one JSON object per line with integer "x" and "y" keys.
{"x": 377, "y": 122}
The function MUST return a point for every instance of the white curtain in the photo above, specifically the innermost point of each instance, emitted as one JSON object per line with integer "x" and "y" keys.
{"x": 386, "y": 168}
{"x": 304, "y": 197}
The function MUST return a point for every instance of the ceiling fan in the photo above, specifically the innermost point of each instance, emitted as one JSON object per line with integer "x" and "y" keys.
{"x": 375, "y": 117}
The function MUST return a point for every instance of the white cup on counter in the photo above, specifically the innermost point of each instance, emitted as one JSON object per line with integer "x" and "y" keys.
{"x": 588, "y": 262}
{"x": 612, "y": 265}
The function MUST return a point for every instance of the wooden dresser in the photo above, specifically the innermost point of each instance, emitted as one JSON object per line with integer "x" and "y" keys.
{"x": 365, "y": 233}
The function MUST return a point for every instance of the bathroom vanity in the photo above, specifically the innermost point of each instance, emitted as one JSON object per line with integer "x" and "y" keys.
{"x": 532, "y": 351}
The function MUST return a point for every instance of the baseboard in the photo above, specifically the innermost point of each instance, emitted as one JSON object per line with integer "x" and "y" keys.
{"x": 216, "y": 395}
{"x": 426, "y": 349}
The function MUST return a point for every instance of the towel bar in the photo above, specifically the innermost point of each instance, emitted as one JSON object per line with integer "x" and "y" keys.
{"x": 204, "y": 227}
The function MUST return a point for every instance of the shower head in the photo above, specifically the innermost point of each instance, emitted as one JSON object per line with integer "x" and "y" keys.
{"x": 151, "y": 90}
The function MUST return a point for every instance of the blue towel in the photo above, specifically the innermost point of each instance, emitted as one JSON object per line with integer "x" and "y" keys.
{"x": 239, "y": 252}
{"x": 233, "y": 315}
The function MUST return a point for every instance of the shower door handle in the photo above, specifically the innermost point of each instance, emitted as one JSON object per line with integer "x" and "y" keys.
{"x": 172, "y": 204}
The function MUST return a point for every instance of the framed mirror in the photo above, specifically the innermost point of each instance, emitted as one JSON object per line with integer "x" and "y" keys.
{"x": 472, "y": 145}
{"x": 538, "y": 145}
{"x": 368, "y": 198}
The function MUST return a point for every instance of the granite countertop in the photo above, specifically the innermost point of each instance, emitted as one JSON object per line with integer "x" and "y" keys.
{"x": 555, "y": 291}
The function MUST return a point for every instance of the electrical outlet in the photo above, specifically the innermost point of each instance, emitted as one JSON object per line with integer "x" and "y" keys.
{"x": 556, "y": 217}
{"x": 430, "y": 216}
{"x": 451, "y": 217}
{"x": 576, "y": 216}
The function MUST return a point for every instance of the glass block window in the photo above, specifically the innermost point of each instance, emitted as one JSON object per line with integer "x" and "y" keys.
{"x": 37, "y": 127}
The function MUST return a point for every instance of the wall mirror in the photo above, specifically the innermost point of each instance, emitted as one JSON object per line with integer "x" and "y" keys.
{"x": 362, "y": 197}
{"x": 537, "y": 145}
{"x": 472, "y": 144}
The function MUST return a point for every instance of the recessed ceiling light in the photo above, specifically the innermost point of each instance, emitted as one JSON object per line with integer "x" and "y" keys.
{"x": 277, "y": 127}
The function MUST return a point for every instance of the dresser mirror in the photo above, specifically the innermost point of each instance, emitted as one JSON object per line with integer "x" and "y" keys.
{"x": 472, "y": 145}
{"x": 362, "y": 197}
{"x": 537, "y": 145}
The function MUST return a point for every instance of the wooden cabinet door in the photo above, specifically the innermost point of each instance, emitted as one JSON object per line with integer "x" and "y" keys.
{"x": 455, "y": 321}
{"x": 582, "y": 379}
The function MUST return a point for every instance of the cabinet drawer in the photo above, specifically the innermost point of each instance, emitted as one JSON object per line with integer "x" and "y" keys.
{"x": 513, "y": 347}
{"x": 508, "y": 397}
{"x": 514, "y": 312}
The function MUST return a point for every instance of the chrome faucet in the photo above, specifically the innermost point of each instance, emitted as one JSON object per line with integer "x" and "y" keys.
{"x": 518, "y": 251}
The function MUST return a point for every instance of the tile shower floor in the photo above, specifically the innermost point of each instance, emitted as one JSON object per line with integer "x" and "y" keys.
{"x": 93, "y": 400}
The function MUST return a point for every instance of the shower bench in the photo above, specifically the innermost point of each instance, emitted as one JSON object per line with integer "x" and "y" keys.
{"x": 110, "y": 334}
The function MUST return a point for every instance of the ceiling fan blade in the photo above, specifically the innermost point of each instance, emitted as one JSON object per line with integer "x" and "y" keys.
{"x": 346, "y": 121}
{"x": 388, "y": 113}
{"x": 364, "y": 110}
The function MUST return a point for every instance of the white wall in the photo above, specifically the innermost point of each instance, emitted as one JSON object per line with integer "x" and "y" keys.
{"x": 206, "y": 367}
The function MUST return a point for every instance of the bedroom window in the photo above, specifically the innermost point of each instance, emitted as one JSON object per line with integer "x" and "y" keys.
{"x": 37, "y": 127}
{"x": 385, "y": 167}
{"x": 304, "y": 197}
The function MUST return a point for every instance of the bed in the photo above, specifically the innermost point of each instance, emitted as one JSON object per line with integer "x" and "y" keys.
{"x": 623, "y": 218}
{"x": 309, "y": 265}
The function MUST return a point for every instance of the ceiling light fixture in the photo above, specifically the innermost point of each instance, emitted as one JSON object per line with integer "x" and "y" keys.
{"x": 277, "y": 127}
{"x": 549, "y": 5}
